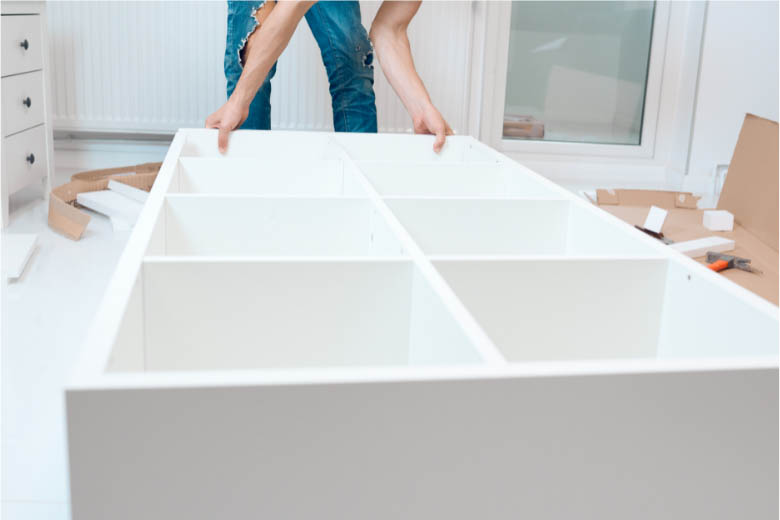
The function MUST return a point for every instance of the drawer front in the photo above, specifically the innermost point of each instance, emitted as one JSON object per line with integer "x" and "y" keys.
{"x": 24, "y": 158}
{"x": 21, "y": 40}
{"x": 22, "y": 102}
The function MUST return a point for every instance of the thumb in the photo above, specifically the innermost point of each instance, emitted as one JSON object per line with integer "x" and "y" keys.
{"x": 438, "y": 144}
{"x": 222, "y": 140}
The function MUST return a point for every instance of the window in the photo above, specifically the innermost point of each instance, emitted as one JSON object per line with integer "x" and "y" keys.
{"x": 578, "y": 71}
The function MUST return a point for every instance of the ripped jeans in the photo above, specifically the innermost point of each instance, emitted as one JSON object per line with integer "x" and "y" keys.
{"x": 346, "y": 53}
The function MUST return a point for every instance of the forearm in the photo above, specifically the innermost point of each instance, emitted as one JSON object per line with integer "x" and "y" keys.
{"x": 391, "y": 45}
{"x": 268, "y": 42}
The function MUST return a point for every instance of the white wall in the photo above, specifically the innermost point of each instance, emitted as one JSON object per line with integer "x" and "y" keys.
{"x": 153, "y": 67}
{"x": 738, "y": 74}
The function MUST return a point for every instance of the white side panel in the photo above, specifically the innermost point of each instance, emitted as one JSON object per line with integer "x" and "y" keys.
{"x": 405, "y": 148}
{"x": 208, "y": 315}
{"x": 435, "y": 336}
{"x": 685, "y": 445}
{"x": 554, "y": 309}
{"x": 257, "y": 177}
{"x": 128, "y": 352}
{"x": 484, "y": 227}
{"x": 701, "y": 319}
{"x": 262, "y": 145}
{"x": 487, "y": 179}
{"x": 597, "y": 233}
{"x": 224, "y": 225}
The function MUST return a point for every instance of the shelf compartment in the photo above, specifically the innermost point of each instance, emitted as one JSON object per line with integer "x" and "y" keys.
{"x": 559, "y": 309}
{"x": 433, "y": 179}
{"x": 247, "y": 176}
{"x": 212, "y": 314}
{"x": 513, "y": 227}
{"x": 271, "y": 226}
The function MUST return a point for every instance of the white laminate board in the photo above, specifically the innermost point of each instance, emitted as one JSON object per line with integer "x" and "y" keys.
{"x": 647, "y": 446}
{"x": 225, "y": 225}
{"x": 702, "y": 319}
{"x": 592, "y": 231}
{"x": 610, "y": 308}
{"x": 17, "y": 250}
{"x": 263, "y": 145}
{"x": 300, "y": 176}
{"x": 484, "y": 227}
{"x": 263, "y": 314}
{"x": 128, "y": 191}
{"x": 406, "y": 147}
{"x": 111, "y": 203}
{"x": 437, "y": 179}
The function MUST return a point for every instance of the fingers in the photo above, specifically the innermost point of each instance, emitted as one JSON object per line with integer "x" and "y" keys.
{"x": 222, "y": 140}
{"x": 438, "y": 144}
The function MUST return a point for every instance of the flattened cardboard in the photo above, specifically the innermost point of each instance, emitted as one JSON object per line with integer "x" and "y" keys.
{"x": 685, "y": 224}
{"x": 662, "y": 199}
{"x": 751, "y": 187}
{"x": 66, "y": 218}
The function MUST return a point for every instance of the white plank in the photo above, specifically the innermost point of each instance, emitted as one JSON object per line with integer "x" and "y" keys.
{"x": 17, "y": 251}
{"x": 249, "y": 314}
{"x": 238, "y": 225}
{"x": 700, "y": 246}
{"x": 495, "y": 447}
{"x": 274, "y": 145}
{"x": 487, "y": 179}
{"x": 489, "y": 227}
{"x": 610, "y": 308}
{"x": 702, "y": 319}
{"x": 260, "y": 177}
{"x": 111, "y": 204}
{"x": 655, "y": 219}
{"x": 599, "y": 233}
{"x": 128, "y": 191}
{"x": 407, "y": 147}
{"x": 718, "y": 220}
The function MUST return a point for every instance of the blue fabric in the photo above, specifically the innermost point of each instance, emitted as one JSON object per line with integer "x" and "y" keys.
{"x": 346, "y": 53}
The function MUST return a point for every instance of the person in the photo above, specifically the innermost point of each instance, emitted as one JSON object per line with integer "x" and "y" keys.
{"x": 250, "y": 63}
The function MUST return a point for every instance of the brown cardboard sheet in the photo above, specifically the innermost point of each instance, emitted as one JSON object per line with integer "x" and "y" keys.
{"x": 685, "y": 224}
{"x": 662, "y": 199}
{"x": 64, "y": 215}
{"x": 751, "y": 188}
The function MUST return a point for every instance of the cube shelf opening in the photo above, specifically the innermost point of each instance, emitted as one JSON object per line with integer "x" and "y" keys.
{"x": 435, "y": 179}
{"x": 581, "y": 308}
{"x": 263, "y": 226}
{"x": 214, "y": 315}
{"x": 249, "y": 176}
{"x": 512, "y": 227}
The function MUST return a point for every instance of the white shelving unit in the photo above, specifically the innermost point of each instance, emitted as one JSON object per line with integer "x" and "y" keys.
{"x": 351, "y": 326}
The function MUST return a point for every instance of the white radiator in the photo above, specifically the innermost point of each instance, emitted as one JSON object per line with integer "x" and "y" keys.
{"x": 153, "y": 67}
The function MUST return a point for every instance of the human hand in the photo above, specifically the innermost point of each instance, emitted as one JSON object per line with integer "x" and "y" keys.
{"x": 430, "y": 121}
{"x": 227, "y": 118}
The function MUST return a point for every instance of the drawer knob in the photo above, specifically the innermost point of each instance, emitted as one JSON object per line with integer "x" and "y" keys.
{"x": 24, "y": 44}
{"x": 27, "y": 102}
{"x": 31, "y": 158}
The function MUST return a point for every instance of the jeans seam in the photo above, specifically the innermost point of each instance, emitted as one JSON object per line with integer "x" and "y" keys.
{"x": 332, "y": 49}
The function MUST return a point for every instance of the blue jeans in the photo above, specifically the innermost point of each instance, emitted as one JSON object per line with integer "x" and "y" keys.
{"x": 346, "y": 53}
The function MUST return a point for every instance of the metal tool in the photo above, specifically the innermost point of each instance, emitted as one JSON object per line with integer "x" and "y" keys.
{"x": 719, "y": 262}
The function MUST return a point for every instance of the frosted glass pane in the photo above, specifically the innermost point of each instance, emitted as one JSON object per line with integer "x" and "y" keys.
{"x": 577, "y": 71}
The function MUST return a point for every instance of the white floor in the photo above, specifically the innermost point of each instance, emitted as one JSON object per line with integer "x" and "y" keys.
{"x": 45, "y": 316}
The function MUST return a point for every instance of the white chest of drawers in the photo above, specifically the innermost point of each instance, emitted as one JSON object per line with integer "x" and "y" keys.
{"x": 26, "y": 124}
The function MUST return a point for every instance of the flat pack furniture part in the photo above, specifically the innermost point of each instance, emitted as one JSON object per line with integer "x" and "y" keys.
{"x": 371, "y": 330}
{"x": 17, "y": 249}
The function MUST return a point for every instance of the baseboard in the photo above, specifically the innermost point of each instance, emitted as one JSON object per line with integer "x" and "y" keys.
{"x": 89, "y": 154}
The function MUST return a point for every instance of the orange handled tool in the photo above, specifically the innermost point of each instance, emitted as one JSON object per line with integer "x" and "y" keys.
{"x": 720, "y": 265}
{"x": 719, "y": 262}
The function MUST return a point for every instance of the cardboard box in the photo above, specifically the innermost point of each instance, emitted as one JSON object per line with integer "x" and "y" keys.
{"x": 64, "y": 215}
{"x": 750, "y": 193}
